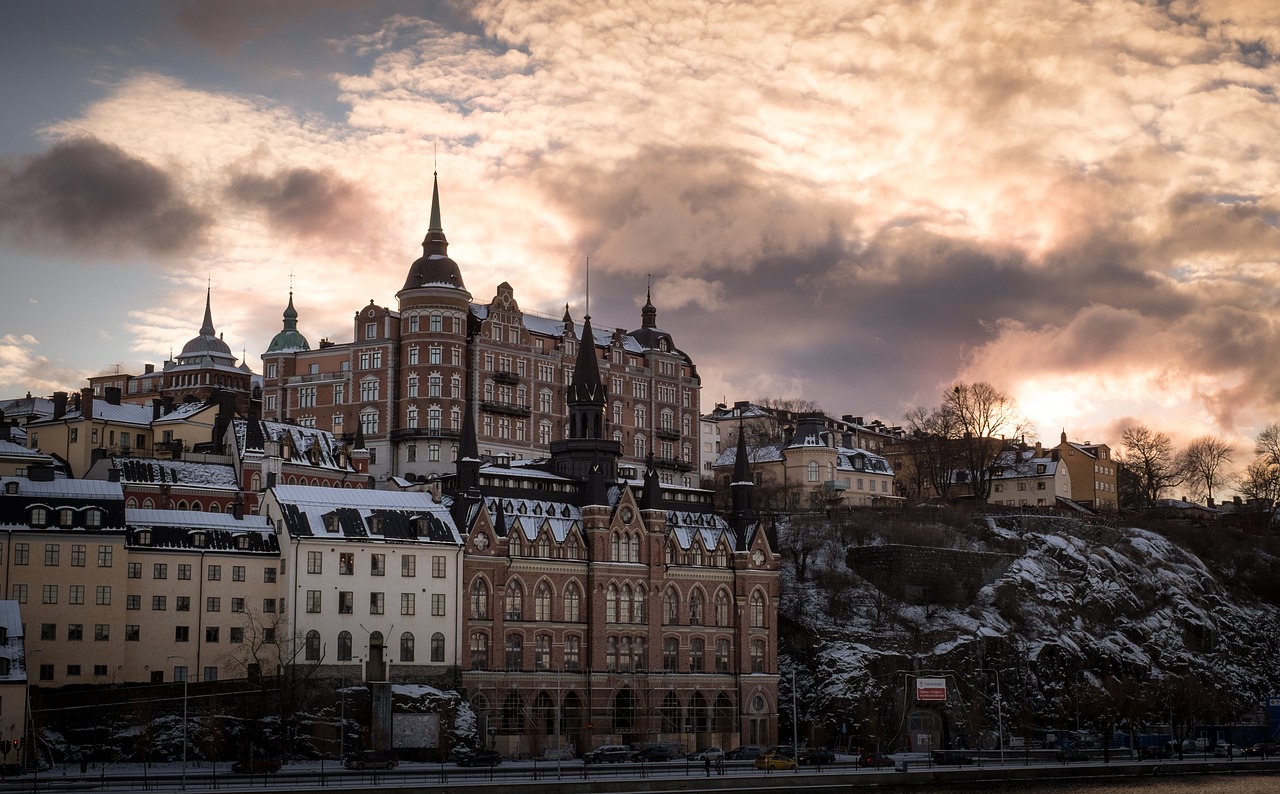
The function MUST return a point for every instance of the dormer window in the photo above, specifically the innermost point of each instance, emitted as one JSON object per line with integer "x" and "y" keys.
{"x": 144, "y": 537}
{"x": 11, "y": 488}
{"x": 242, "y": 542}
{"x": 331, "y": 523}
{"x": 93, "y": 518}
{"x": 39, "y": 517}
{"x": 375, "y": 525}
{"x": 66, "y": 517}
{"x": 199, "y": 539}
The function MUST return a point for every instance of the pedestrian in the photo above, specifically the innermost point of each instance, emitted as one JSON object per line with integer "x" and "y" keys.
{"x": 706, "y": 764}
{"x": 720, "y": 765}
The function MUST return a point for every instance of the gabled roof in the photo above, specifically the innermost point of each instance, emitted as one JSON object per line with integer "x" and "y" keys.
{"x": 342, "y": 513}
{"x": 176, "y": 472}
{"x": 302, "y": 441}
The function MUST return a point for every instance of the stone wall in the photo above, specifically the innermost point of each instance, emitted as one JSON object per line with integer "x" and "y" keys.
{"x": 925, "y": 575}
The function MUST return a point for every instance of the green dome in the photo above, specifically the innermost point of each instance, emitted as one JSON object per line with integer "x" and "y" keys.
{"x": 288, "y": 339}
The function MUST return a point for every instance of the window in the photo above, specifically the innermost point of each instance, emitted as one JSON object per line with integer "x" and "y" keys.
{"x": 77, "y": 555}
{"x": 697, "y": 648}
{"x": 73, "y": 670}
{"x": 346, "y": 563}
{"x": 437, "y": 647}
{"x": 514, "y": 651}
{"x": 722, "y": 656}
{"x": 182, "y": 604}
{"x": 102, "y": 595}
{"x": 542, "y": 652}
{"x": 377, "y": 603}
{"x": 22, "y": 551}
{"x": 236, "y": 635}
{"x": 572, "y": 653}
{"x": 75, "y": 594}
{"x": 312, "y": 647}
{"x": 214, "y": 573}
{"x": 722, "y": 608}
{"x": 135, "y": 570}
{"x": 757, "y": 656}
{"x": 269, "y": 575}
{"x": 133, "y": 602}
{"x": 51, "y": 554}
{"x": 268, "y": 606}
{"x": 513, "y": 609}
{"x": 344, "y": 646}
{"x": 406, "y": 647}
{"x": 671, "y": 607}
{"x": 46, "y": 672}
{"x": 437, "y": 604}
{"x": 313, "y": 601}
{"x": 315, "y": 562}
{"x": 75, "y": 632}
{"x": 611, "y": 604}
{"x": 211, "y": 672}
{"x": 542, "y": 602}
{"x": 572, "y": 602}
{"x": 346, "y": 602}
{"x": 159, "y": 571}
{"x": 479, "y": 650}
{"x": 670, "y": 654}
{"x": 48, "y": 631}
{"x": 213, "y": 604}
{"x": 237, "y": 604}
{"x": 696, "y": 603}
{"x": 479, "y": 600}
{"x": 409, "y": 565}
{"x": 49, "y": 594}
{"x": 237, "y": 573}
{"x": 132, "y": 633}
{"x": 437, "y": 566}
{"x": 20, "y": 593}
{"x": 757, "y": 610}
{"x": 408, "y": 604}
{"x": 377, "y": 565}
{"x": 184, "y": 572}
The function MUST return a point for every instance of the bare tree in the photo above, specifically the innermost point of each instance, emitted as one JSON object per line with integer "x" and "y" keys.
{"x": 1260, "y": 480}
{"x": 985, "y": 417}
{"x": 931, "y": 451}
{"x": 1203, "y": 465}
{"x": 1150, "y": 457}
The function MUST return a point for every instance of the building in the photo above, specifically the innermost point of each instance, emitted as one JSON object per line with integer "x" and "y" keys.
{"x": 401, "y": 378}
{"x": 374, "y": 577}
{"x": 1030, "y": 477}
{"x": 204, "y": 368}
{"x": 1093, "y": 473}
{"x": 90, "y": 429}
{"x": 13, "y": 682}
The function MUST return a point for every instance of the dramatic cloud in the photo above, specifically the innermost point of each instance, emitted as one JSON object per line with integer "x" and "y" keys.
{"x": 305, "y": 202}
{"x": 20, "y": 363}
{"x": 88, "y": 195}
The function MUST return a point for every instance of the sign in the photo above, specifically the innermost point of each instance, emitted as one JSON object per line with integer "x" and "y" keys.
{"x": 933, "y": 689}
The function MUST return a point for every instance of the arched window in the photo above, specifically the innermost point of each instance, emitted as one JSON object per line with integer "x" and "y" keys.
{"x": 722, "y": 557}
{"x": 695, "y": 551}
{"x": 697, "y": 649}
{"x": 611, "y": 604}
{"x": 615, "y": 547}
{"x": 515, "y": 651}
{"x": 344, "y": 646}
{"x": 624, "y": 605}
{"x": 670, "y": 654}
{"x": 514, "y": 608}
{"x": 640, "y": 445}
{"x": 479, "y": 600}
{"x": 542, "y": 602}
{"x": 635, "y": 547}
{"x": 572, "y": 549}
{"x": 624, "y": 654}
{"x": 814, "y": 471}
{"x": 757, "y": 610}
{"x": 406, "y": 647}
{"x": 572, "y": 602}
{"x": 437, "y": 647}
{"x": 671, "y": 607}
{"x": 479, "y": 650}
{"x": 697, "y": 606}
{"x": 611, "y": 653}
{"x": 669, "y": 553}
{"x": 722, "y": 608}
{"x": 722, "y": 656}
{"x": 639, "y": 660}
{"x": 313, "y": 646}
{"x": 542, "y": 652}
{"x": 637, "y": 605}
{"x": 757, "y": 656}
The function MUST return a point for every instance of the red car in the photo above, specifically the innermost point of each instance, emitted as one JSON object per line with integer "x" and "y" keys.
{"x": 875, "y": 761}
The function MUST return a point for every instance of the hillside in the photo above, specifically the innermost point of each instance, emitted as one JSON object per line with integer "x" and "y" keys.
{"x": 1073, "y": 621}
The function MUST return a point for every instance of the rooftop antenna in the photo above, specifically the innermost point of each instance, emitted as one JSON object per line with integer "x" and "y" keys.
{"x": 588, "y": 308}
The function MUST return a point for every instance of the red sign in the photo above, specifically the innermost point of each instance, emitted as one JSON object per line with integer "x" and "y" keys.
{"x": 931, "y": 689}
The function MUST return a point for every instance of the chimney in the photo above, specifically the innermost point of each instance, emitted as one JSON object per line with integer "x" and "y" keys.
{"x": 112, "y": 395}
{"x": 86, "y": 403}
{"x": 4, "y": 428}
{"x": 157, "y": 408}
{"x": 113, "y": 475}
{"x": 168, "y": 404}
{"x": 148, "y": 369}
{"x": 1039, "y": 453}
{"x": 237, "y": 507}
{"x": 59, "y": 404}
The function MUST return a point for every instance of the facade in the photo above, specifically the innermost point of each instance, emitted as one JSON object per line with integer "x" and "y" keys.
{"x": 373, "y": 579}
{"x": 1030, "y": 478}
{"x": 402, "y": 378}
{"x": 267, "y": 454}
{"x": 13, "y": 681}
{"x": 90, "y": 429}
{"x": 204, "y": 368}
{"x": 1093, "y": 473}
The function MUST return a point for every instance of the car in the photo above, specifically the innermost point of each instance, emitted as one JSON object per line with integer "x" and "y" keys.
{"x": 747, "y": 752}
{"x": 1067, "y": 754}
{"x": 480, "y": 758}
{"x": 1156, "y": 751}
{"x": 1260, "y": 750}
{"x": 711, "y": 754}
{"x": 775, "y": 759}
{"x": 658, "y": 752}
{"x": 1228, "y": 751}
{"x": 372, "y": 759}
{"x": 256, "y": 766}
{"x": 874, "y": 761}
{"x": 952, "y": 758}
{"x": 607, "y": 754}
{"x": 817, "y": 756}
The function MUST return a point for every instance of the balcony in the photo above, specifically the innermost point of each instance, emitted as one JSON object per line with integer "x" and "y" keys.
{"x": 836, "y": 485}
{"x": 512, "y": 409}
{"x": 503, "y": 376}
{"x": 672, "y": 463}
{"x": 409, "y": 433}
{"x": 669, "y": 433}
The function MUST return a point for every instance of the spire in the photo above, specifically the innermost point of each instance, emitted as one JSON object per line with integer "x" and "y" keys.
{"x": 587, "y": 388}
{"x": 207, "y": 328}
{"x": 740, "y": 488}
{"x": 359, "y": 442}
{"x": 435, "y": 242}
{"x": 648, "y": 314}
{"x": 289, "y": 338}
{"x": 651, "y": 494}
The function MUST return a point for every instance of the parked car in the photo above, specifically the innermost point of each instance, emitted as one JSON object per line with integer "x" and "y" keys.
{"x": 256, "y": 766}
{"x": 607, "y": 754}
{"x": 480, "y": 758}
{"x": 747, "y": 752}
{"x": 775, "y": 759}
{"x": 1260, "y": 750}
{"x": 952, "y": 758}
{"x": 658, "y": 752}
{"x": 874, "y": 761}
{"x": 372, "y": 759}
{"x": 1228, "y": 751}
{"x": 1156, "y": 751}
{"x": 712, "y": 754}
{"x": 817, "y": 755}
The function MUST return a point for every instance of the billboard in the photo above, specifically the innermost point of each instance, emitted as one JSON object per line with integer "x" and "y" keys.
{"x": 934, "y": 689}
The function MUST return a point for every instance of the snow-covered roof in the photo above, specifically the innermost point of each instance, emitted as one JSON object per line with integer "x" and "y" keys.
{"x": 530, "y": 516}
{"x": 195, "y": 519}
{"x": 67, "y": 488}
{"x": 184, "y": 411}
{"x": 179, "y": 472}
{"x": 359, "y": 514}
{"x": 1019, "y": 464}
{"x": 103, "y": 411}
{"x": 9, "y": 449}
{"x": 308, "y": 446}
{"x": 547, "y": 326}
{"x": 192, "y": 529}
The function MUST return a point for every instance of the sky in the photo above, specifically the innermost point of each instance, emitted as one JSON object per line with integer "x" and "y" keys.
{"x": 850, "y": 202}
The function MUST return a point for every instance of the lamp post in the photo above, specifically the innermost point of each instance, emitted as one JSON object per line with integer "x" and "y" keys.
{"x": 999, "y": 710}
{"x": 795, "y": 725}
{"x": 186, "y": 676}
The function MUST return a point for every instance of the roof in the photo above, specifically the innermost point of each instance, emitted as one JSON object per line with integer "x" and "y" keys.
{"x": 346, "y": 513}
{"x": 328, "y": 448}
{"x": 11, "y": 450}
{"x": 124, "y": 414}
{"x": 101, "y": 490}
{"x": 176, "y": 472}
{"x": 180, "y": 529}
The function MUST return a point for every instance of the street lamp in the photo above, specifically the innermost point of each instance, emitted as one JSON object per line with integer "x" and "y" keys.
{"x": 186, "y": 676}
{"x": 795, "y": 729}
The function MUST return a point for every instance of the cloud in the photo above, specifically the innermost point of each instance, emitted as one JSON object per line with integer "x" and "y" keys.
{"x": 20, "y": 363}
{"x": 90, "y": 196}
{"x": 304, "y": 202}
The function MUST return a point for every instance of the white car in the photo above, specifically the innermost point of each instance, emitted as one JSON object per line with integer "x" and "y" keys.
{"x": 1228, "y": 751}
{"x": 712, "y": 754}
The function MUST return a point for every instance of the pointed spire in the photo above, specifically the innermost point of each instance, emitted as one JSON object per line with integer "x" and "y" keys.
{"x": 435, "y": 242}
{"x": 651, "y": 494}
{"x": 359, "y": 442}
{"x": 587, "y": 387}
{"x": 207, "y": 328}
{"x": 740, "y": 488}
{"x": 648, "y": 314}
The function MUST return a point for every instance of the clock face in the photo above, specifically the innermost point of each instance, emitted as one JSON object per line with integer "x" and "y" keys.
{"x": 626, "y": 515}
{"x": 758, "y": 557}
{"x": 481, "y": 542}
